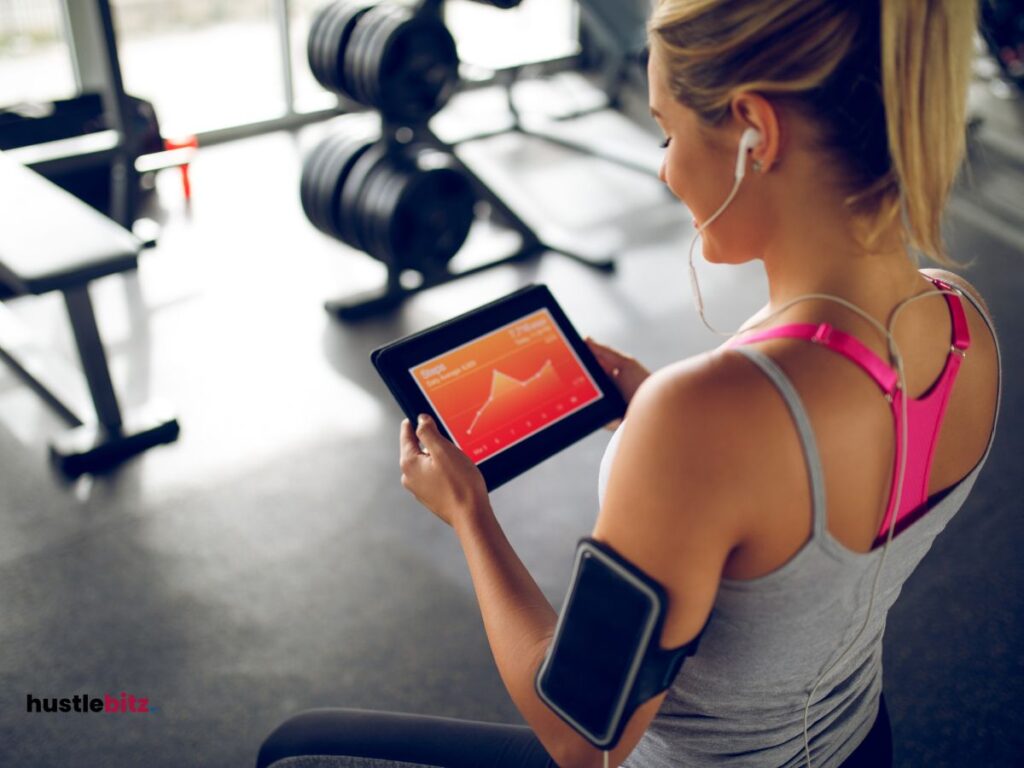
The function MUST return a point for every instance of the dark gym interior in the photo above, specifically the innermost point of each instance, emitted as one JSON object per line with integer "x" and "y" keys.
{"x": 244, "y": 549}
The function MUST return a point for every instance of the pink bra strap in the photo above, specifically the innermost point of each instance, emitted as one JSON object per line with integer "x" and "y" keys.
{"x": 838, "y": 341}
{"x": 961, "y": 338}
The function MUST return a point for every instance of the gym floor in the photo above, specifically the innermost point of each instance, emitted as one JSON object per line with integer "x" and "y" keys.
{"x": 269, "y": 561}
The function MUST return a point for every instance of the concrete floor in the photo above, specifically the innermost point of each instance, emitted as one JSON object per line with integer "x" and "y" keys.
{"x": 269, "y": 561}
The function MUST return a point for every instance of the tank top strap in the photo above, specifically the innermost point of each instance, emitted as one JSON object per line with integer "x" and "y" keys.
{"x": 816, "y": 475}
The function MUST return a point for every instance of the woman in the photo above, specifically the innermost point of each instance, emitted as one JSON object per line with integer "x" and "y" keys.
{"x": 773, "y": 499}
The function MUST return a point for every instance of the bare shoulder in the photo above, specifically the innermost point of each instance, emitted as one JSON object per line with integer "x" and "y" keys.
{"x": 698, "y": 406}
{"x": 690, "y": 475}
{"x": 691, "y": 430}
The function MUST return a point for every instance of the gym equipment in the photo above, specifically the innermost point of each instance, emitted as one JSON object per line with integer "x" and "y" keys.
{"x": 399, "y": 194}
{"x": 386, "y": 57}
{"x": 1002, "y": 26}
{"x": 614, "y": 37}
{"x": 408, "y": 207}
{"x": 37, "y": 257}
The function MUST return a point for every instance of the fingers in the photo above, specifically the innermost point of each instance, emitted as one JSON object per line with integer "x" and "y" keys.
{"x": 606, "y": 354}
{"x": 611, "y": 361}
{"x": 427, "y": 432}
{"x": 409, "y": 447}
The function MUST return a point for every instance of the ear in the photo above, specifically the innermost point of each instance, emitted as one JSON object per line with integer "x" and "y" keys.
{"x": 752, "y": 110}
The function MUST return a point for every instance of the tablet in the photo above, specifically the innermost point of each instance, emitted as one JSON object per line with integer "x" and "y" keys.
{"x": 510, "y": 383}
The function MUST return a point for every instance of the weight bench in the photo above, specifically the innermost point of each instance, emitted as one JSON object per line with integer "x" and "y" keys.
{"x": 51, "y": 241}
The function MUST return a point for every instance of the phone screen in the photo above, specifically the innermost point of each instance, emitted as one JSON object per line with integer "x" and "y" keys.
{"x": 604, "y": 632}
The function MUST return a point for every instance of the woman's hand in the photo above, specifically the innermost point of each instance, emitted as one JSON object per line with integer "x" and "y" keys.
{"x": 625, "y": 371}
{"x": 441, "y": 477}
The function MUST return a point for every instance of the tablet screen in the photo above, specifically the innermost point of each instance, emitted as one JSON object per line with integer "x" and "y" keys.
{"x": 503, "y": 386}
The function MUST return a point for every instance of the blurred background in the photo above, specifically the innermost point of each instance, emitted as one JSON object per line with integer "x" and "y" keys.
{"x": 222, "y": 530}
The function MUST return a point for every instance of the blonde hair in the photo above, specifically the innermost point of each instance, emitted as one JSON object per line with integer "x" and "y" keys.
{"x": 885, "y": 81}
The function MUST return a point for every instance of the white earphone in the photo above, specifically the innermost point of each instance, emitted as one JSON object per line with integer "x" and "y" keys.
{"x": 751, "y": 138}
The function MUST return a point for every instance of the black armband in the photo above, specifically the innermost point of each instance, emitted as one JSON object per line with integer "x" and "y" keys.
{"x": 605, "y": 659}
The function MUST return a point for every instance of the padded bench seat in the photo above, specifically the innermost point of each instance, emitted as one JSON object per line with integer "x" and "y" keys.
{"x": 52, "y": 241}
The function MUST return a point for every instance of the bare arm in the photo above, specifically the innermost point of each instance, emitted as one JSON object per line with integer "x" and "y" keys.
{"x": 669, "y": 508}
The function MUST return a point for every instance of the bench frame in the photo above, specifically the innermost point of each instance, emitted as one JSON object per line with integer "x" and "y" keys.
{"x": 94, "y": 444}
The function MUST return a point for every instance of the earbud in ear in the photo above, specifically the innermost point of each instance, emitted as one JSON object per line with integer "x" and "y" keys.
{"x": 750, "y": 139}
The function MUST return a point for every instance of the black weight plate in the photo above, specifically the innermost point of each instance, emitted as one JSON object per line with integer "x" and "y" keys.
{"x": 349, "y": 150}
{"x": 318, "y": 211}
{"x": 348, "y": 212}
{"x": 377, "y": 177}
{"x": 319, "y": 63}
{"x": 354, "y": 55}
{"x": 385, "y": 219}
{"x": 307, "y": 186}
{"x": 376, "y": 213}
{"x": 317, "y": 188}
{"x": 350, "y": 208}
{"x": 433, "y": 219}
{"x": 391, "y": 22}
{"x": 418, "y": 71}
{"x": 391, "y": 19}
{"x": 341, "y": 35}
{"x": 328, "y": 36}
{"x": 344, "y": 148}
{"x": 328, "y": 181}
{"x": 311, "y": 39}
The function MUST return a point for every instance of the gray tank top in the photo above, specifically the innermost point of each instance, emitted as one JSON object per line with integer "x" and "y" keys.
{"x": 740, "y": 700}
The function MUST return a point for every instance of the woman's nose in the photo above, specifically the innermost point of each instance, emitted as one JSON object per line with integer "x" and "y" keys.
{"x": 661, "y": 172}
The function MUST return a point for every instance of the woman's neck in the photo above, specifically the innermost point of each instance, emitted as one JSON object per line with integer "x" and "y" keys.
{"x": 815, "y": 252}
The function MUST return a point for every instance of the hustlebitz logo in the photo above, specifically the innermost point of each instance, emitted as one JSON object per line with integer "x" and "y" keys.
{"x": 125, "y": 703}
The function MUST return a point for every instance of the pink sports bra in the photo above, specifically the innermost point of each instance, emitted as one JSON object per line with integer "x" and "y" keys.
{"x": 924, "y": 414}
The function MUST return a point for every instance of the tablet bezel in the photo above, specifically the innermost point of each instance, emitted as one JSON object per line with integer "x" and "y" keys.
{"x": 394, "y": 360}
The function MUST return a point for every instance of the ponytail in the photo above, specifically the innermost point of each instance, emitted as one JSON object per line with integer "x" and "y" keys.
{"x": 926, "y": 52}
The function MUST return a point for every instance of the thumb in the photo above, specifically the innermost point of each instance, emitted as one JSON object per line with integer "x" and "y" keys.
{"x": 426, "y": 430}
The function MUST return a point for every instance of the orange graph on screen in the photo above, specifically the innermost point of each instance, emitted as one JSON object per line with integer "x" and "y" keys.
{"x": 509, "y": 397}
{"x": 506, "y": 385}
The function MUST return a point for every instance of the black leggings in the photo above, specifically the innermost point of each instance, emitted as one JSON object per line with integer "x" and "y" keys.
{"x": 386, "y": 739}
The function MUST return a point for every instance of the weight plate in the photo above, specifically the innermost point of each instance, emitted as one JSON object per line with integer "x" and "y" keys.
{"x": 418, "y": 71}
{"x": 391, "y": 22}
{"x": 433, "y": 218}
{"x": 311, "y": 39}
{"x": 348, "y": 211}
{"x": 354, "y": 55}
{"x": 319, "y": 63}
{"x": 377, "y": 212}
{"x": 350, "y": 150}
{"x": 341, "y": 35}
{"x": 377, "y": 176}
{"x": 330, "y": 179}
{"x": 320, "y": 188}
{"x": 307, "y": 185}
